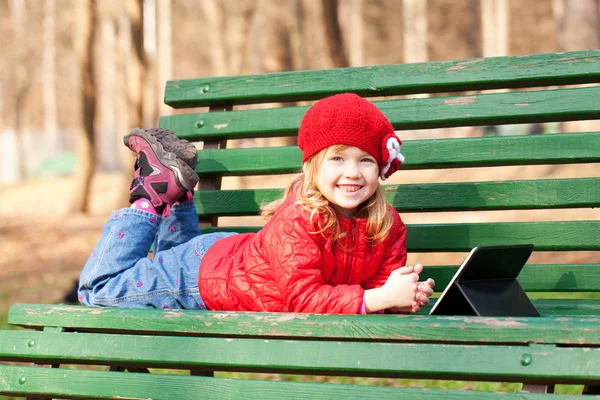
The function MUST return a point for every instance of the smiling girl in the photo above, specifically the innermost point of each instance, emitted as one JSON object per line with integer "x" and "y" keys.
{"x": 331, "y": 244}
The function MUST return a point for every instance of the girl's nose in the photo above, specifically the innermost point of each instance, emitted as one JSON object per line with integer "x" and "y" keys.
{"x": 351, "y": 170}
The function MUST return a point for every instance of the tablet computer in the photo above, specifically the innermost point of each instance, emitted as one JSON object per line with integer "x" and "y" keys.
{"x": 486, "y": 284}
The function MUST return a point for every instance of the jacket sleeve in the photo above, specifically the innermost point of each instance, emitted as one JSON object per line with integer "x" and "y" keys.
{"x": 395, "y": 254}
{"x": 296, "y": 260}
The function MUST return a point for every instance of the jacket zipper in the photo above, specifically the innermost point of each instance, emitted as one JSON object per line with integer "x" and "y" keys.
{"x": 350, "y": 253}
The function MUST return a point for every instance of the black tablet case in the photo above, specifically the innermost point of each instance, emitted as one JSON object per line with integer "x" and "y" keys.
{"x": 487, "y": 286}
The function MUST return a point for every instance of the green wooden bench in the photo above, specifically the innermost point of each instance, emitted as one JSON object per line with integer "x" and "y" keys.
{"x": 562, "y": 347}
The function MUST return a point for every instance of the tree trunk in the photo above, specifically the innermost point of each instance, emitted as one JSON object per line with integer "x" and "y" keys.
{"x": 355, "y": 37}
{"x": 333, "y": 34}
{"x": 49, "y": 57}
{"x": 136, "y": 63}
{"x": 415, "y": 30}
{"x": 106, "y": 141}
{"x": 86, "y": 159}
{"x": 21, "y": 83}
{"x": 213, "y": 20}
{"x": 164, "y": 51}
{"x": 149, "y": 97}
{"x": 494, "y": 26}
{"x": 474, "y": 36}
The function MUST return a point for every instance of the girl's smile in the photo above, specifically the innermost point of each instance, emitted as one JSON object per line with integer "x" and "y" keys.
{"x": 347, "y": 177}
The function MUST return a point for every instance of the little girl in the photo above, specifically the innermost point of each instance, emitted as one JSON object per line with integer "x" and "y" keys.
{"x": 331, "y": 244}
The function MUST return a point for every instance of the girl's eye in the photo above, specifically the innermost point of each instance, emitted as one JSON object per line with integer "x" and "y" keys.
{"x": 369, "y": 160}
{"x": 336, "y": 158}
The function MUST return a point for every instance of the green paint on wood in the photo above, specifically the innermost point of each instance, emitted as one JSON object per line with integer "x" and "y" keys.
{"x": 559, "y": 329}
{"x": 562, "y": 364}
{"x": 469, "y": 196}
{"x": 568, "y": 148}
{"x": 422, "y": 113}
{"x": 120, "y": 385}
{"x": 546, "y": 236}
{"x": 537, "y": 277}
{"x": 431, "y": 77}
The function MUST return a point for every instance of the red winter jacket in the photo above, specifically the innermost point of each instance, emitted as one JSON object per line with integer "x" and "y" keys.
{"x": 284, "y": 267}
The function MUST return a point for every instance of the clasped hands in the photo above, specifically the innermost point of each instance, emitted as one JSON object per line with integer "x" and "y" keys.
{"x": 401, "y": 293}
{"x": 422, "y": 291}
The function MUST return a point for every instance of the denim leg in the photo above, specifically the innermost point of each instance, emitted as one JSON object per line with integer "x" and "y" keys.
{"x": 179, "y": 227}
{"x": 119, "y": 273}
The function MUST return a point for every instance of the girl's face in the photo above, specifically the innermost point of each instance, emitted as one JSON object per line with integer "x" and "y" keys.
{"x": 347, "y": 177}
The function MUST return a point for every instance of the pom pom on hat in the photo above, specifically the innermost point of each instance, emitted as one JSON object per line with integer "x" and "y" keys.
{"x": 348, "y": 119}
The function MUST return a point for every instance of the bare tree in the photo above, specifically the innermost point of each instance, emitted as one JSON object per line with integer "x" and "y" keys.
{"x": 108, "y": 87}
{"x": 137, "y": 62}
{"x": 494, "y": 25}
{"x": 164, "y": 49}
{"x": 20, "y": 81}
{"x": 49, "y": 72}
{"x": 333, "y": 34}
{"x": 149, "y": 97}
{"x": 213, "y": 12}
{"x": 355, "y": 37}
{"x": 415, "y": 30}
{"x": 86, "y": 157}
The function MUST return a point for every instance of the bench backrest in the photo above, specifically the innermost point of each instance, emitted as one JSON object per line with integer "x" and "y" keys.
{"x": 457, "y": 94}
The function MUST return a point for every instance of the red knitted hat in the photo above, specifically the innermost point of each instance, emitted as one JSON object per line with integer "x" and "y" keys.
{"x": 351, "y": 120}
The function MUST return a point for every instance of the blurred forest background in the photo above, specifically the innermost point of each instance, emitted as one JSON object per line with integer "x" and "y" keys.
{"x": 76, "y": 75}
{"x": 72, "y": 69}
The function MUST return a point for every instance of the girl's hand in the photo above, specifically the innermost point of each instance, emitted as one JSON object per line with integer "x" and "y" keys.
{"x": 424, "y": 291}
{"x": 400, "y": 289}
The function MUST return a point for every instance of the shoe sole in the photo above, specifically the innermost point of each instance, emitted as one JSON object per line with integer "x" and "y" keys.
{"x": 180, "y": 147}
{"x": 185, "y": 177}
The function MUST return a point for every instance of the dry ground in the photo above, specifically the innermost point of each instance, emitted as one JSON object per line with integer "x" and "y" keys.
{"x": 43, "y": 248}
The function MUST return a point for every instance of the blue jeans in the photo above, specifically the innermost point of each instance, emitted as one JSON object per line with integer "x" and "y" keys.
{"x": 119, "y": 272}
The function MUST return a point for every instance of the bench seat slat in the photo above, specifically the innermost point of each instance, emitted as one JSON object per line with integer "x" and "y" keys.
{"x": 561, "y": 330}
{"x": 538, "y": 277}
{"x": 431, "y": 77}
{"x": 568, "y": 148}
{"x": 121, "y": 385}
{"x": 468, "y": 196}
{"x": 546, "y": 236}
{"x": 559, "y": 364}
{"x": 422, "y": 113}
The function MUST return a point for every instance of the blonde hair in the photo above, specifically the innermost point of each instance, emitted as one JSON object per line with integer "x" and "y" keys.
{"x": 304, "y": 187}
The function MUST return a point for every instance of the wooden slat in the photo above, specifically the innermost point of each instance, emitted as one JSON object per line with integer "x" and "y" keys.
{"x": 469, "y": 196}
{"x": 421, "y": 113}
{"x": 537, "y": 277}
{"x": 119, "y": 385}
{"x": 568, "y": 148}
{"x": 431, "y": 77}
{"x": 546, "y": 236}
{"x": 568, "y": 307}
{"x": 549, "y": 363}
{"x": 414, "y": 328}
